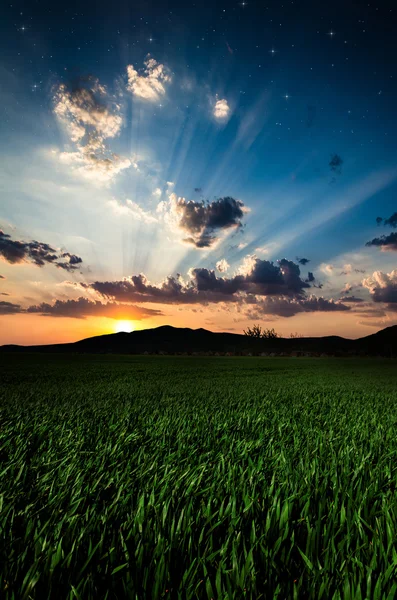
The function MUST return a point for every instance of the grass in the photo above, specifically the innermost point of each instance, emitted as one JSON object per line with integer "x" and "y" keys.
{"x": 145, "y": 477}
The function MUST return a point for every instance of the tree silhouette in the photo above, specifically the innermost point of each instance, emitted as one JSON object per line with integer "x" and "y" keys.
{"x": 257, "y": 332}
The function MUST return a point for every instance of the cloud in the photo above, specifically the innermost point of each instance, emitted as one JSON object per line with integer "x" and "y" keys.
{"x": 222, "y": 265}
{"x": 8, "y": 308}
{"x": 83, "y": 307}
{"x": 391, "y": 221}
{"x": 287, "y": 307}
{"x": 255, "y": 277}
{"x": 150, "y": 84}
{"x": 133, "y": 210}
{"x": 310, "y": 277}
{"x": 38, "y": 253}
{"x": 382, "y": 286}
{"x": 327, "y": 269}
{"x": 96, "y": 167}
{"x": 201, "y": 221}
{"x": 336, "y": 163}
{"x": 352, "y": 299}
{"x": 221, "y": 110}
{"x": 90, "y": 117}
{"x": 348, "y": 269}
{"x": 302, "y": 261}
{"x": 2, "y": 276}
{"x": 387, "y": 243}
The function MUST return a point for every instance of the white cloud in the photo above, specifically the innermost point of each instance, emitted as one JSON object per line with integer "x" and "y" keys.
{"x": 132, "y": 209}
{"x": 94, "y": 167}
{"x": 90, "y": 117}
{"x": 85, "y": 108}
{"x": 222, "y": 265}
{"x": 221, "y": 110}
{"x": 150, "y": 85}
{"x": 327, "y": 269}
{"x": 379, "y": 280}
{"x": 267, "y": 248}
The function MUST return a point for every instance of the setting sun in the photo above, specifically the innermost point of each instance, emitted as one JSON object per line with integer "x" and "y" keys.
{"x": 124, "y": 326}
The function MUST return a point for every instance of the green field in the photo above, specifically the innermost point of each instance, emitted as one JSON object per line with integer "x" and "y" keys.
{"x": 183, "y": 477}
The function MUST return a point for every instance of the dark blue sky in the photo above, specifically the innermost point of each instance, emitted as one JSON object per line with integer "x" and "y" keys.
{"x": 300, "y": 84}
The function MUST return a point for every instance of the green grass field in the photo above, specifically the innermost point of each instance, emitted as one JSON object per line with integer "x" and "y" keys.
{"x": 183, "y": 477}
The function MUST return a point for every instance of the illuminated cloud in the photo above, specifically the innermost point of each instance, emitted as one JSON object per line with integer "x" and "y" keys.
{"x": 83, "y": 307}
{"x": 89, "y": 117}
{"x": 382, "y": 286}
{"x": 222, "y": 265}
{"x": 202, "y": 222}
{"x": 221, "y": 110}
{"x": 150, "y": 84}
{"x": 95, "y": 166}
{"x": 133, "y": 210}
{"x": 38, "y": 253}
{"x": 83, "y": 110}
{"x": 254, "y": 280}
{"x": 327, "y": 269}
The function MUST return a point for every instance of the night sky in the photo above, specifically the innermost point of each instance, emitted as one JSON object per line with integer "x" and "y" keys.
{"x": 197, "y": 164}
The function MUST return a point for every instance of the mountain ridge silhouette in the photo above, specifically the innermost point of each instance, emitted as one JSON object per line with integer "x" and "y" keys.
{"x": 167, "y": 339}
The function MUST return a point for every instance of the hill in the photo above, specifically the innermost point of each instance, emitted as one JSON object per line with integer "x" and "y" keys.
{"x": 173, "y": 340}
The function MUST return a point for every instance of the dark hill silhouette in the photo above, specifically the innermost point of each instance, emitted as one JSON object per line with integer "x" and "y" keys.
{"x": 173, "y": 340}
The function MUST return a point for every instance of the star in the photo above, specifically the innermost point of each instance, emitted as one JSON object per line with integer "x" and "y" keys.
{"x": 150, "y": 39}
{"x": 286, "y": 96}
{"x": 331, "y": 34}
{"x": 272, "y": 51}
{"x": 243, "y": 4}
{"x": 23, "y": 28}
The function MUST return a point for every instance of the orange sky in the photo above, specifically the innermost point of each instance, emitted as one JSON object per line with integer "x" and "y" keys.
{"x": 28, "y": 329}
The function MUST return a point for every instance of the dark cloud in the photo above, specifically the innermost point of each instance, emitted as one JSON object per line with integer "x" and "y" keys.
{"x": 352, "y": 299}
{"x": 391, "y": 221}
{"x": 310, "y": 277}
{"x": 272, "y": 288}
{"x": 2, "y": 276}
{"x": 38, "y": 253}
{"x": 198, "y": 190}
{"x": 201, "y": 220}
{"x": 302, "y": 261}
{"x": 4, "y": 294}
{"x": 286, "y": 307}
{"x": 8, "y": 308}
{"x": 385, "y": 242}
{"x": 336, "y": 163}
{"x": 82, "y": 307}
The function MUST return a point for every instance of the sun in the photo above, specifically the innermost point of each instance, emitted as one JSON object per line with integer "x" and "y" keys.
{"x": 124, "y": 326}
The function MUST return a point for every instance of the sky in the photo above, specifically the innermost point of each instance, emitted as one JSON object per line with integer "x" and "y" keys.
{"x": 212, "y": 164}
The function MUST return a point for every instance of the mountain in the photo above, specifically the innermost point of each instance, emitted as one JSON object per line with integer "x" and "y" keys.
{"x": 174, "y": 340}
